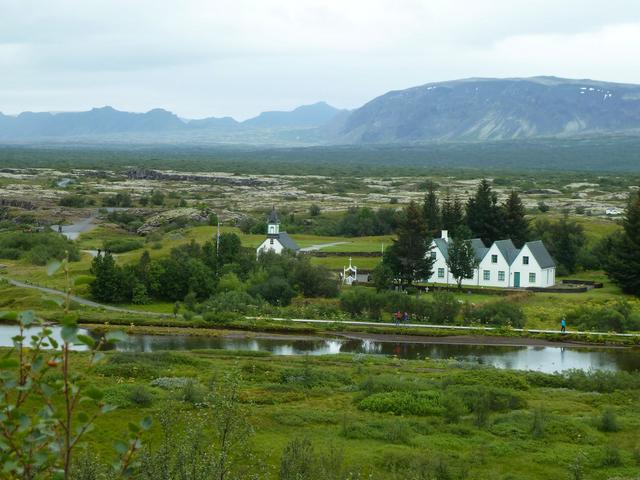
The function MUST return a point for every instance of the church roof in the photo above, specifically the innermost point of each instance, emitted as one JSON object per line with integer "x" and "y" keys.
{"x": 273, "y": 216}
{"x": 288, "y": 242}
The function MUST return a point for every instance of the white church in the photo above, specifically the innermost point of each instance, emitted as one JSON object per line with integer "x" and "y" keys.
{"x": 276, "y": 240}
{"x": 501, "y": 265}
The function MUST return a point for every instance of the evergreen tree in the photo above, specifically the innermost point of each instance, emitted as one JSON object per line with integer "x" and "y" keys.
{"x": 516, "y": 226}
{"x": 565, "y": 241}
{"x": 431, "y": 210}
{"x": 452, "y": 215}
{"x": 407, "y": 257}
{"x": 623, "y": 262}
{"x": 484, "y": 215}
{"x": 107, "y": 285}
{"x": 462, "y": 260}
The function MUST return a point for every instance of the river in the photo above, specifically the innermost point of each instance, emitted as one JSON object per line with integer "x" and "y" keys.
{"x": 543, "y": 359}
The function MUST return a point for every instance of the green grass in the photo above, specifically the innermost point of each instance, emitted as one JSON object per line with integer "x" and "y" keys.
{"x": 319, "y": 397}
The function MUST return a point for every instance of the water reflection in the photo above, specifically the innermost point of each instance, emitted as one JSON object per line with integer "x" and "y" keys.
{"x": 544, "y": 359}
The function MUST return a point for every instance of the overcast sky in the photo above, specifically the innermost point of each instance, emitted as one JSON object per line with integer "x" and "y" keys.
{"x": 202, "y": 58}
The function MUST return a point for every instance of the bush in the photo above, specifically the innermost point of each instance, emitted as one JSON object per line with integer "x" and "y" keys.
{"x": 140, "y": 396}
{"x": 355, "y": 301}
{"x": 75, "y": 201}
{"x": 502, "y": 313}
{"x": 122, "y": 245}
{"x": 611, "y": 456}
{"x": 618, "y": 318}
{"x": 445, "y": 308}
{"x": 403, "y": 403}
{"x": 38, "y": 248}
{"x": 454, "y": 408}
{"x": 608, "y": 421}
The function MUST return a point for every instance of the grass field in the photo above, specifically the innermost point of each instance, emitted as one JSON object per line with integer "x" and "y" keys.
{"x": 539, "y": 426}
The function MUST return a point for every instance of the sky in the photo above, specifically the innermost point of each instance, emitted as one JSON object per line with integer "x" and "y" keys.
{"x": 200, "y": 58}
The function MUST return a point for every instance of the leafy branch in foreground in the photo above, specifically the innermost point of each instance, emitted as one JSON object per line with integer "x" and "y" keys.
{"x": 45, "y": 408}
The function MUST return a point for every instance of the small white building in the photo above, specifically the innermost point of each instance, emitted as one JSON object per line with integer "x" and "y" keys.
{"x": 276, "y": 240}
{"x": 501, "y": 265}
{"x": 350, "y": 275}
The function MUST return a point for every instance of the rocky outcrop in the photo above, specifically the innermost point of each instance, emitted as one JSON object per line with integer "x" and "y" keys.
{"x": 11, "y": 202}
{"x": 188, "y": 216}
{"x": 148, "y": 174}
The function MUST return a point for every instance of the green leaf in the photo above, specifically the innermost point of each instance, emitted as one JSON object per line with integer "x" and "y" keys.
{"x": 83, "y": 417}
{"x": 69, "y": 333}
{"x": 53, "y": 267}
{"x": 145, "y": 423}
{"x": 26, "y": 318}
{"x": 120, "y": 447}
{"x": 115, "y": 336}
{"x": 86, "y": 340}
{"x": 107, "y": 408}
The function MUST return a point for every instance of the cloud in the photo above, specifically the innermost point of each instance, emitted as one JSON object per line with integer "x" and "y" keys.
{"x": 204, "y": 57}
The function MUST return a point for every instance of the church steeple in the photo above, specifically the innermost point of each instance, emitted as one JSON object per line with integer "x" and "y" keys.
{"x": 273, "y": 224}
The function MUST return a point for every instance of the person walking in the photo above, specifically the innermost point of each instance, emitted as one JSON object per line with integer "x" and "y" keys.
{"x": 405, "y": 318}
{"x": 563, "y": 325}
{"x": 398, "y": 316}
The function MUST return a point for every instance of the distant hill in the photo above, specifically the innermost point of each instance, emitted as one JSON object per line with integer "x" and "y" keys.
{"x": 104, "y": 120}
{"x": 158, "y": 124}
{"x": 494, "y": 109}
{"x": 314, "y": 115}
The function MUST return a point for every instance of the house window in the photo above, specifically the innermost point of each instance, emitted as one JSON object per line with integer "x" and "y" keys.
{"x": 494, "y": 258}
{"x": 501, "y": 276}
{"x": 525, "y": 260}
{"x": 486, "y": 275}
{"x": 433, "y": 255}
{"x": 441, "y": 273}
{"x": 532, "y": 278}
{"x": 271, "y": 241}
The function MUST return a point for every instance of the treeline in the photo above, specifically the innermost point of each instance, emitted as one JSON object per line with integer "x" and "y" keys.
{"x": 195, "y": 273}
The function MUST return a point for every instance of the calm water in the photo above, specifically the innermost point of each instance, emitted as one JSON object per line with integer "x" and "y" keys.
{"x": 544, "y": 359}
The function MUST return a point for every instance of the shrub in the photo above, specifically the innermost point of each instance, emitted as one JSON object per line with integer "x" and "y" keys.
{"x": 608, "y": 421}
{"x": 38, "y": 248}
{"x": 611, "y": 456}
{"x": 445, "y": 308}
{"x": 454, "y": 408}
{"x": 539, "y": 422}
{"x": 403, "y": 403}
{"x": 618, "y": 318}
{"x": 122, "y": 245}
{"x": 75, "y": 201}
{"x": 298, "y": 461}
{"x": 140, "y": 396}
{"x": 355, "y": 301}
{"x": 502, "y": 313}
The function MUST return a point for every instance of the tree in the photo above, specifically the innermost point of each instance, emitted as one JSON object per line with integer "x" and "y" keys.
{"x": 407, "y": 257}
{"x": 484, "y": 216}
{"x": 516, "y": 226}
{"x": 565, "y": 241}
{"x": 452, "y": 215}
{"x": 623, "y": 262}
{"x": 431, "y": 210}
{"x": 314, "y": 210}
{"x": 382, "y": 276}
{"x": 107, "y": 285}
{"x": 462, "y": 260}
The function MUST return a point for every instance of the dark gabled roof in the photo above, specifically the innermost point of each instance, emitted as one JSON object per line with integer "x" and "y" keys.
{"x": 507, "y": 249}
{"x": 287, "y": 242}
{"x": 273, "y": 216}
{"x": 479, "y": 248}
{"x": 541, "y": 254}
{"x": 443, "y": 246}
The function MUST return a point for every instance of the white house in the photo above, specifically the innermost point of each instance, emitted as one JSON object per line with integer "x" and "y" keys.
{"x": 276, "y": 240}
{"x": 501, "y": 265}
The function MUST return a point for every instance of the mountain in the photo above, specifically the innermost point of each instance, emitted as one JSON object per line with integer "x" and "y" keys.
{"x": 493, "y": 109}
{"x": 105, "y": 120}
{"x": 106, "y": 123}
{"x": 306, "y": 116}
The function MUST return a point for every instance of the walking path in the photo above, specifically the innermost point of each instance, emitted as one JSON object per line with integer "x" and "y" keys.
{"x": 84, "y": 301}
{"x": 90, "y": 303}
{"x": 319, "y": 246}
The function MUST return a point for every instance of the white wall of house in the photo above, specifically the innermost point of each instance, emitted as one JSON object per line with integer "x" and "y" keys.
{"x": 440, "y": 270}
{"x": 270, "y": 244}
{"x": 494, "y": 269}
{"x": 531, "y": 274}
